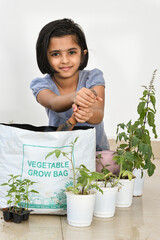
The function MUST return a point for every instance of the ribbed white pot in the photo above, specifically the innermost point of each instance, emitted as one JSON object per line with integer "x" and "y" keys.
{"x": 139, "y": 182}
{"x": 80, "y": 209}
{"x": 125, "y": 193}
{"x": 105, "y": 203}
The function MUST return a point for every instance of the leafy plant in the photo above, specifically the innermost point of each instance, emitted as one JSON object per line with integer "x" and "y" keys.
{"x": 136, "y": 151}
{"x": 18, "y": 192}
{"x": 86, "y": 178}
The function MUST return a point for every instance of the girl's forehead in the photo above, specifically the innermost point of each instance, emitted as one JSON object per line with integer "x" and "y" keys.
{"x": 68, "y": 41}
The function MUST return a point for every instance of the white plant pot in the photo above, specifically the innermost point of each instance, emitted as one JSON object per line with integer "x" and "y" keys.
{"x": 125, "y": 193}
{"x": 139, "y": 182}
{"x": 105, "y": 203}
{"x": 80, "y": 209}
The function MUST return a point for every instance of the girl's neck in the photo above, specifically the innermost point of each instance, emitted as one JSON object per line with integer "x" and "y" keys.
{"x": 66, "y": 85}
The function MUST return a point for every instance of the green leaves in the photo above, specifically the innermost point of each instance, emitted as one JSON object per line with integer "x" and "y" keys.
{"x": 121, "y": 136}
{"x": 18, "y": 190}
{"x": 140, "y": 108}
{"x": 127, "y": 174}
{"x": 85, "y": 181}
{"x": 134, "y": 141}
{"x": 150, "y": 119}
{"x": 151, "y": 169}
{"x": 57, "y": 152}
{"x": 153, "y": 101}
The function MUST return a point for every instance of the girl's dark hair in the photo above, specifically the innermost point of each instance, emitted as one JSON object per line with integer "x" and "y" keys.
{"x": 58, "y": 28}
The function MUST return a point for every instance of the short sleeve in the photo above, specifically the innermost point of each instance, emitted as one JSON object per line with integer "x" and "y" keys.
{"x": 95, "y": 78}
{"x": 39, "y": 84}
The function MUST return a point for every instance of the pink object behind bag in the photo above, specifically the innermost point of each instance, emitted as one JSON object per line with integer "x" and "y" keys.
{"x": 107, "y": 158}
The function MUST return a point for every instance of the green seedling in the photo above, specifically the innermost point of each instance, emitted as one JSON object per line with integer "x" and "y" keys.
{"x": 18, "y": 192}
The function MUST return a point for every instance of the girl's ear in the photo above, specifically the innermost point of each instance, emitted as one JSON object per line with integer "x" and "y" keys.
{"x": 84, "y": 51}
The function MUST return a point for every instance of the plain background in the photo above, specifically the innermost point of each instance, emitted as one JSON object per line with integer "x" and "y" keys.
{"x": 123, "y": 38}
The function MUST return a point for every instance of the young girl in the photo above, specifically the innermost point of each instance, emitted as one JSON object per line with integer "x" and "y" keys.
{"x": 62, "y": 54}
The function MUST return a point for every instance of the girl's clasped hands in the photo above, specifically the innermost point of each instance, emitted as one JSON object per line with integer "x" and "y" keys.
{"x": 84, "y": 101}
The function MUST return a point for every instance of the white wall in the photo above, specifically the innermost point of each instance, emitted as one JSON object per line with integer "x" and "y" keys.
{"x": 123, "y": 38}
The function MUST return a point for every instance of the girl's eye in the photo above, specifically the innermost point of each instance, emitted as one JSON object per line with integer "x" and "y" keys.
{"x": 72, "y": 52}
{"x": 55, "y": 54}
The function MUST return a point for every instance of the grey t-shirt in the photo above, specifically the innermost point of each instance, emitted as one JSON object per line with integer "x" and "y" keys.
{"x": 87, "y": 79}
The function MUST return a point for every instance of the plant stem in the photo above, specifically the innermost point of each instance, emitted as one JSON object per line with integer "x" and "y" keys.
{"x": 27, "y": 195}
{"x": 145, "y": 118}
{"x": 73, "y": 169}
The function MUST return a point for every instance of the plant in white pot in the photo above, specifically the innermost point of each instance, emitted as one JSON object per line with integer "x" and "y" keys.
{"x": 105, "y": 203}
{"x": 136, "y": 148}
{"x": 126, "y": 181}
{"x": 80, "y": 196}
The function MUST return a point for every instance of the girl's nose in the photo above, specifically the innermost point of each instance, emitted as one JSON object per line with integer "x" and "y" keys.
{"x": 64, "y": 58}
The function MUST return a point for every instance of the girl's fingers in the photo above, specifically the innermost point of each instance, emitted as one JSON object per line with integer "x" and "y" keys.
{"x": 86, "y": 98}
{"x": 79, "y": 120}
{"x": 83, "y": 115}
{"x": 84, "y": 101}
{"x": 74, "y": 107}
{"x": 99, "y": 99}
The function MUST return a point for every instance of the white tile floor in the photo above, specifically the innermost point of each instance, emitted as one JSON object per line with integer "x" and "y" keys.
{"x": 139, "y": 222}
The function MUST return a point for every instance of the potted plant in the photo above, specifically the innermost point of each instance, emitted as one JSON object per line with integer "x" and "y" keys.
{"x": 126, "y": 181}
{"x": 135, "y": 152}
{"x": 81, "y": 195}
{"x": 105, "y": 203}
{"x": 18, "y": 191}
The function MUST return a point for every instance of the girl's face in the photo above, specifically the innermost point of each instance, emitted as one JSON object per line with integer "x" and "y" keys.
{"x": 64, "y": 55}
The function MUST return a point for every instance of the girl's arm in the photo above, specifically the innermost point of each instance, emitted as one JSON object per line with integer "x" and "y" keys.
{"x": 95, "y": 113}
{"x": 54, "y": 102}
{"x": 83, "y": 98}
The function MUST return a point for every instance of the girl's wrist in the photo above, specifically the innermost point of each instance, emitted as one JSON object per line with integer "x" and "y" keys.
{"x": 97, "y": 117}
{"x": 74, "y": 94}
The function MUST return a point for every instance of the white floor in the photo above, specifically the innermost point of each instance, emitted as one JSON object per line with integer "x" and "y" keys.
{"x": 139, "y": 222}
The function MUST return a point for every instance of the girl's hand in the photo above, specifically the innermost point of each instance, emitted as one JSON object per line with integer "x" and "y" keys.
{"x": 85, "y": 98}
{"x": 82, "y": 114}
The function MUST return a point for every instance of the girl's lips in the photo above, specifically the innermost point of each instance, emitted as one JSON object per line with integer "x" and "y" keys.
{"x": 65, "y": 68}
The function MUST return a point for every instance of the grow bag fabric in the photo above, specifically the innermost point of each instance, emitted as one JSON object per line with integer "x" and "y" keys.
{"x": 23, "y": 149}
